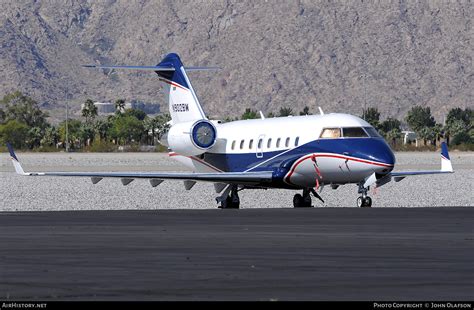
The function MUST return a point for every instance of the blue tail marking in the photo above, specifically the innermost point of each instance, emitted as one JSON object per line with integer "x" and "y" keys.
{"x": 172, "y": 60}
{"x": 444, "y": 151}
{"x": 12, "y": 153}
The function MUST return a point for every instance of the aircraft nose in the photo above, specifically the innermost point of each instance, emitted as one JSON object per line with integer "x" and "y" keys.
{"x": 386, "y": 156}
{"x": 389, "y": 157}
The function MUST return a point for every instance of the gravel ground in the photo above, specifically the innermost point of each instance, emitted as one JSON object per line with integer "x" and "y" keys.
{"x": 54, "y": 193}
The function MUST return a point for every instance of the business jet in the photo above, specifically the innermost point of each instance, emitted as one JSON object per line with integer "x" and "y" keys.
{"x": 305, "y": 153}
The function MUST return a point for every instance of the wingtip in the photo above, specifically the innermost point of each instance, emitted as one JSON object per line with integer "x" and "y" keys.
{"x": 15, "y": 161}
{"x": 444, "y": 150}
{"x": 12, "y": 152}
{"x": 446, "y": 164}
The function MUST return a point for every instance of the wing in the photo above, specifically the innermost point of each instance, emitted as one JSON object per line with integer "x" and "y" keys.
{"x": 446, "y": 167}
{"x": 243, "y": 178}
{"x": 397, "y": 176}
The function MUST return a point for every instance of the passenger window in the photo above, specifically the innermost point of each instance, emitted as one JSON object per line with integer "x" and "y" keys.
{"x": 260, "y": 143}
{"x": 242, "y": 144}
{"x": 269, "y": 143}
{"x": 331, "y": 133}
{"x": 233, "y": 145}
{"x": 287, "y": 143}
{"x": 297, "y": 140}
{"x": 278, "y": 142}
{"x": 251, "y": 144}
{"x": 353, "y": 132}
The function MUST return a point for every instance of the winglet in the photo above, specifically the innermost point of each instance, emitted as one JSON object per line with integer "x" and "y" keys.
{"x": 445, "y": 160}
{"x": 15, "y": 161}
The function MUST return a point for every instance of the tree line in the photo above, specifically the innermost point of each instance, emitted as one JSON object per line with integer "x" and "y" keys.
{"x": 25, "y": 126}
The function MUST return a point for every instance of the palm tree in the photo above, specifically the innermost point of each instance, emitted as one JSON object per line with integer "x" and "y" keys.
{"x": 119, "y": 106}
{"x": 151, "y": 125}
{"x": 286, "y": 111}
{"x": 89, "y": 111}
{"x": 305, "y": 111}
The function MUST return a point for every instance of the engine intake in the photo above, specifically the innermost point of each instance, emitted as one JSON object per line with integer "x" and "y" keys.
{"x": 192, "y": 138}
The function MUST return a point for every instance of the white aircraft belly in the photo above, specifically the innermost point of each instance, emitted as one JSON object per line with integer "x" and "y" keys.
{"x": 327, "y": 170}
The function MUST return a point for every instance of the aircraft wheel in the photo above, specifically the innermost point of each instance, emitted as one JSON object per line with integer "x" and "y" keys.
{"x": 364, "y": 202}
{"x": 368, "y": 202}
{"x": 235, "y": 202}
{"x": 307, "y": 201}
{"x": 298, "y": 201}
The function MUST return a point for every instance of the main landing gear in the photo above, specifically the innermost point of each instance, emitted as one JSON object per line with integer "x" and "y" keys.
{"x": 230, "y": 198}
{"x": 304, "y": 201}
{"x": 364, "y": 201}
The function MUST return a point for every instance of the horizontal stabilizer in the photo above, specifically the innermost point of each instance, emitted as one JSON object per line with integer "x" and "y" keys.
{"x": 150, "y": 68}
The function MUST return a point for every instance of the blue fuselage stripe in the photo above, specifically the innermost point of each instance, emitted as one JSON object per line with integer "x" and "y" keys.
{"x": 370, "y": 149}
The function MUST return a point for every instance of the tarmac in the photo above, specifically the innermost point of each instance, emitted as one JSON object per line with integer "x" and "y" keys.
{"x": 249, "y": 254}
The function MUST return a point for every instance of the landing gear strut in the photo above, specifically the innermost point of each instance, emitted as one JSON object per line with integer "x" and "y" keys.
{"x": 304, "y": 201}
{"x": 230, "y": 198}
{"x": 364, "y": 201}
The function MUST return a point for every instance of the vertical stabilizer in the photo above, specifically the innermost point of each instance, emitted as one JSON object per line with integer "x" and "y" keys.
{"x": 183, "y": 103}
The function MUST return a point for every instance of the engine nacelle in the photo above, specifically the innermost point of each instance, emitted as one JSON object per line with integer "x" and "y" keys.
{"x": 192, "y": 138}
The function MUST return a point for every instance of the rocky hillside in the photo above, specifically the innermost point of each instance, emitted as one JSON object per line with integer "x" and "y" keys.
{"x": 334, "y": 54}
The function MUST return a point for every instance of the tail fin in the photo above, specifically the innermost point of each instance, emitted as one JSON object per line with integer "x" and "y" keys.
{"x": 445, "y": 160}
{"x": 183, "y": 103}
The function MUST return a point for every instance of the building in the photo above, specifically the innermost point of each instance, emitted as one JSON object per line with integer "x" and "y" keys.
{"x": 147, "y": 107}
{"x": 109, "y": 107}
{"x": 105, "y": 107}
{"x": 409, "y": 137}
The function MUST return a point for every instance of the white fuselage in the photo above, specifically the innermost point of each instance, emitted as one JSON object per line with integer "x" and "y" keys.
{"x": 293, "y": 148}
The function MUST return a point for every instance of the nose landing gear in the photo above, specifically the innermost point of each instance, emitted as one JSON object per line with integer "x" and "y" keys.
{"x": 364, "y": 201}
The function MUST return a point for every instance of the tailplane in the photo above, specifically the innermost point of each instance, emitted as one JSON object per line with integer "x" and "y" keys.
{"x": 182, "y": 100}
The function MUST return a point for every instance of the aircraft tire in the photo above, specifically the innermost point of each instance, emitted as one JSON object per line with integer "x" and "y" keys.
{"x": 368, "y": 202}
{"x": 298, "y": 201}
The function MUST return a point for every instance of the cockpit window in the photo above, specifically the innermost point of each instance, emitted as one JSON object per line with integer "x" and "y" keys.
{"x": 353, "y": 132}
{"x": 330, "y": 133}
{"x": 372, "y": 132}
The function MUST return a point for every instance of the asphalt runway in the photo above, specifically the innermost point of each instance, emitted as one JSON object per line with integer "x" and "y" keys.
{"x": 249, "y": 254}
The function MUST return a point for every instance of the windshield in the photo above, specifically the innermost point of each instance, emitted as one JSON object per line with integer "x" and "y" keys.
{"x": 372, "y": 132}
{"x": 354, "y": 132}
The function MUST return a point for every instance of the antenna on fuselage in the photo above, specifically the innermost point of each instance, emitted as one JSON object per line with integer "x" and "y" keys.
{"x": 261, "y": 115}
{"x": 321, "y": 111}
